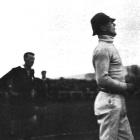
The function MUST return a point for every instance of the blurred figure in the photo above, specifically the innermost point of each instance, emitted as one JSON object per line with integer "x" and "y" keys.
{"x": 45, "y": 82}
{"x": 133, "y": 76}
{"x": 43, "y": 74}
{"x": 19, "y": 84}
{"x": 109, "y": 105}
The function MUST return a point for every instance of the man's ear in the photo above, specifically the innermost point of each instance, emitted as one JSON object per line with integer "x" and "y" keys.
{"x": 103, "y": 28}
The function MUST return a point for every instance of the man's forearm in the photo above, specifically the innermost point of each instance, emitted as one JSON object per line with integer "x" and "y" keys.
{"x": 111, "y": 84}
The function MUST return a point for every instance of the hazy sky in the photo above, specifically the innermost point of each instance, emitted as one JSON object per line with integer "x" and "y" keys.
{"x": 60, "y": 35}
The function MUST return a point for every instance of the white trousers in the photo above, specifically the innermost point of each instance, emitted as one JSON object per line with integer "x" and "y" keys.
{"x": 112, "y": 117}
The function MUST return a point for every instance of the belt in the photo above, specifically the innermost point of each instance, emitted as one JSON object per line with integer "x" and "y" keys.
{"x": 108, "y": 91}
{"x": 105, "y": 90}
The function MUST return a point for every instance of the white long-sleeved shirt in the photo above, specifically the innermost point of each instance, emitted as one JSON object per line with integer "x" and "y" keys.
{"x": 110, "y": 76}
{"x": 108, "y": 66}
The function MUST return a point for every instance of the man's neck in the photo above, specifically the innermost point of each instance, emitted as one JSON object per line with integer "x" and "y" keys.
{"x": 27, "y": 67}
{"x": 106, "y": 38}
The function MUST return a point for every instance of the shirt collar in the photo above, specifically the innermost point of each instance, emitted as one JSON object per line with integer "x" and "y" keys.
{"x": 106, "y": 38}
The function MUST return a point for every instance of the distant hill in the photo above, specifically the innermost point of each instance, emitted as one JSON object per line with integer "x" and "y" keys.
{"x": 86, "y": 76}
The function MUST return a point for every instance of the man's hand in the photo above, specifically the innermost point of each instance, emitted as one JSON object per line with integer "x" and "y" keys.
{"x": 33, "y": 93}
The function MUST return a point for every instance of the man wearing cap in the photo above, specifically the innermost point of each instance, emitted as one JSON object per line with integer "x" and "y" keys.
{"x": 109, "y": 105}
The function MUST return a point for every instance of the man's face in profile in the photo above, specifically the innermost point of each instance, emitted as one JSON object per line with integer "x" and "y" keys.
{"x": 110, "y": 29}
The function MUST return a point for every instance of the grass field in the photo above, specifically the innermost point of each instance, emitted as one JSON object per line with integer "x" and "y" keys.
{"x": 75, "y": 120}
{"x": 71, "y": 120}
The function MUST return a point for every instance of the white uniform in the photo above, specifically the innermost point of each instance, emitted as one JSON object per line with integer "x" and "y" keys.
{"x": 109, "y": 104}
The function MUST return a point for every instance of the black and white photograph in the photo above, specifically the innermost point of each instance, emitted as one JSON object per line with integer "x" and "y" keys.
{"x": 70, "y": 70}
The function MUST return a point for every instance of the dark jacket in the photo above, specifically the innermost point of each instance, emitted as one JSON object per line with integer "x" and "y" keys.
{"x": 18, "y": 80}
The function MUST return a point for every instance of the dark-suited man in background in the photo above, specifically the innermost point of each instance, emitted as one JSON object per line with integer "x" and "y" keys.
{"x": 18, "y": 84}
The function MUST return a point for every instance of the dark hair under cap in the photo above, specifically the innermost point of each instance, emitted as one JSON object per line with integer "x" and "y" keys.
{"x": 98, "y": 20}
